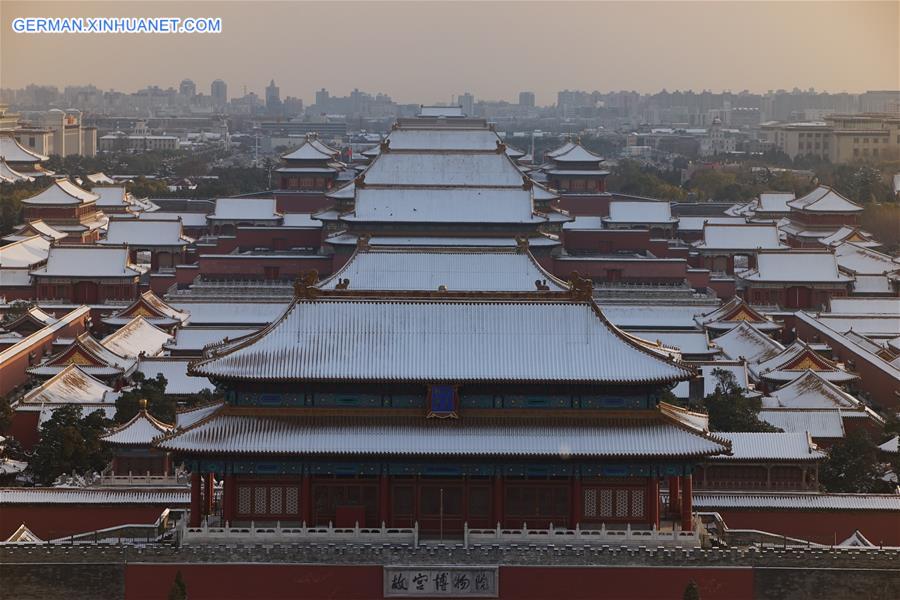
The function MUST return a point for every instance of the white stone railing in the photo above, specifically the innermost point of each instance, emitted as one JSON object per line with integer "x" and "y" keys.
{"x": 286, "y": 535}
{"x": 147, "y": 479}
{"x": 603, "y": 536}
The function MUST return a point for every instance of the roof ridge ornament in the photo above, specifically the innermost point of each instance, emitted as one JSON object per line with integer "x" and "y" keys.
{"x": 385, "y": 145}
{"x": 501, "y": 147}
{"x": 521, "y": 244}
{"x": 582, "y": 287}
{"x": 360, "y": 181}
{"x": 527, "y": 182}
{"x": 363, "y": 242}
{"x": 305, "y": 286}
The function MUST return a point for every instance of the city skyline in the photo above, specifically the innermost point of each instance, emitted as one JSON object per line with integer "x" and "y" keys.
{"x": 481, "y": 48}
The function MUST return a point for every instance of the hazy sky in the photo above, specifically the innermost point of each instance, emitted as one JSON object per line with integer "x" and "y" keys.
{"x": 428, "y": 51}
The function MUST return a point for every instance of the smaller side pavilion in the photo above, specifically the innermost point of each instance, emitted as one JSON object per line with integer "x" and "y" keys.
{"x": 132, "y": 445}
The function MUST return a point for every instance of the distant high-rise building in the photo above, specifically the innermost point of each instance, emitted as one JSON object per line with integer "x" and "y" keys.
{"x": 467, "y": 102}
{"x": 322, "y": 97}
{"x": 273, "y": 97}
{"x": 187, "y": 88}
{"x": 218, "y": 89}
{"x": 526, "y": 99}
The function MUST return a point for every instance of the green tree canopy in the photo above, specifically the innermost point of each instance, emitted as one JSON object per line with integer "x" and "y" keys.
{"x": 154, "y": 392}
{"x": 730, "y": 409}
{"x": 70, "y": 443}
{"x": 854, "y": 466}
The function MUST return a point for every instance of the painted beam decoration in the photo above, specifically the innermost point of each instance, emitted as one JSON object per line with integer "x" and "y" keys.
{"x": 444, "y": 582}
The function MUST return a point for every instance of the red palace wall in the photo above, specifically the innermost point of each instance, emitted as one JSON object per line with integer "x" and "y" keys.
{"x": 277, "y": 581}
{"x": 13, "y": 366}
{"x": 24, "y": 428}
{"x": 293, "y": 202}
{"x": 823, "y": 527}
{"x": 648, "y": 270}
{"x": 595, "y": 205}
{"x": 49, "y": 521}
{"x": 225, "y": 266}
{"x": 878, "y": 383}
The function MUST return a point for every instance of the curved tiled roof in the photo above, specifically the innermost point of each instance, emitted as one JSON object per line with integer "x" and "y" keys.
{"x": 141, "y": 430}
{"x": 441, "y": 340}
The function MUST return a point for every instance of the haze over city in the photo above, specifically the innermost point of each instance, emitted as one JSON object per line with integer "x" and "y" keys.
{"x": 427, "y": 52}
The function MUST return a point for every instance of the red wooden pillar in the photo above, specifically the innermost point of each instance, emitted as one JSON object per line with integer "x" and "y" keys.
{"x": 384, "y": 499}
{"x": 674, "y": 502}
{"x": 209, "y": 493}
{"x": 498, "y": 500}
{"x": 195, "y": 500}
{"x": 687, "y": 493}
{"x": 577, "y": 495}
{"x": 653, "y": 501}
{"x": 306, "y": 500}
{"x": 228, "y": 497}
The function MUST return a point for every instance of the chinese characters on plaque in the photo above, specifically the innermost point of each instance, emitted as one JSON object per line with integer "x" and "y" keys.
{"x": 449, "y": 582}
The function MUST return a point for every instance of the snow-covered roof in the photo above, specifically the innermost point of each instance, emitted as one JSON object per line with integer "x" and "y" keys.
{"x": 188, "y": 219}
{"x": 472, "y": 139}
{"x": 23, "y": 535}
{"x": 100, "y": 179}
{"x": 25, "y": 253}
{"x": 825, "y": 199}
{"x": 733, "y": 313}
{"x": 770, "y": 447}
{"x": 653, "y": 316}
{"x": 891, "y": 446}
{"x": 534, "y": 437}
{"x": 145, "y": 233}
{"x": 111, "y": 196}
{"x": 441, "y": 111}
{"x": 151, "y": 307}
{"x": 856, "y": 540}
{"x": 745, "y": 236}
{"x": 574, "y": 153}
{"x": 640, "y": 211}
{"x": 442, "y": 169}
{"x": 872, "y": 284}
{"x": 457, "y": 269}
{"x": 486, "y": 205}
{"x": 428, "y": 340}
{"x": 231, "y": 313}
{"x": 13, "y": 151}
{"x": 687, "y": 342}
{"x": 692, "y": 223}
{"x": 251, "y": 209}
{"x": 797, "y": 358}
{"x": 818, "y": 423}
{"x": 138, "y": 337}
{"x": 61, "y": 192}
{"x": 34, "y": 315}
{"x": 850, "y": 234}
{"x": 810, "y": 390}
{"x": 349, "y": 239}
{"x": 179, "y": 383}
{"x": 882, "y": 326}
{"x": 748, "y": 342}
{"x": 194, "y": 339}
{"x": 787, "y": 266}
{"x": 796, "y": 501}
{"x": 36, "y": 227}
{"x": 301, "y": 220}
{"x": 186, "y": 417}
{"x": 10, "y": 175}
{"x": 87, "y": 261}
{"x": 774, "y": 202}
{"x": 864, "y": 261}
{"x": 80, "y": 495}
{"x": 311, "y": 151}
{"x": 865, "y": 306}
{"x": 141, "y": 430}
{"x": 71, "y": 385}
{"x": 585, "y": 223}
